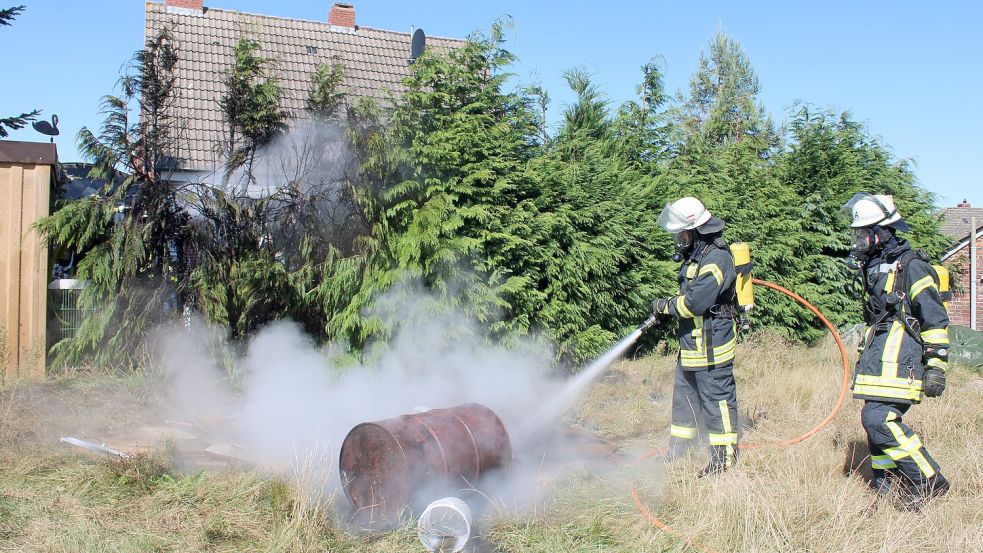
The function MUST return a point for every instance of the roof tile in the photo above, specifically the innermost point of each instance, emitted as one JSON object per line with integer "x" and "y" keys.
{"x": 375, "y": 62}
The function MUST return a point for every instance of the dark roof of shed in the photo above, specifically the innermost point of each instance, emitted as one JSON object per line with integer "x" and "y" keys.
{"x": 30, "y": 153}
{"x": 375, "y": 61}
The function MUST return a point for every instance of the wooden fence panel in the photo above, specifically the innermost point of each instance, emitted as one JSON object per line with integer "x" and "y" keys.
{"x": 25, "y": 184}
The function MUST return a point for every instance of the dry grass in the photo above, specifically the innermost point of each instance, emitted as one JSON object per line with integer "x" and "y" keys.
{"x": 808, "y": 497}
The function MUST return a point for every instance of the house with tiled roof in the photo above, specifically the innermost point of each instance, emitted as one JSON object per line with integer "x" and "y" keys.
{"x": 375, "y": 61}
{"x": 964, "y": 225}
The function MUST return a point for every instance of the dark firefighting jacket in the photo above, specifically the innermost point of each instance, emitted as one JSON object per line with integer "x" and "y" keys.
{"x": 904, "y": 315}
{"x": 705, "y": 307}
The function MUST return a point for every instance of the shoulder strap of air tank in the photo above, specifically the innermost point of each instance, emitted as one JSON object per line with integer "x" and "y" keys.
{"x": 903, "y": 307}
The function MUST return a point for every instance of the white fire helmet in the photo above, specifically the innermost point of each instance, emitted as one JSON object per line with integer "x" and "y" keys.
{"x": 867, "y": 210}
{"x": 683, "y": 214}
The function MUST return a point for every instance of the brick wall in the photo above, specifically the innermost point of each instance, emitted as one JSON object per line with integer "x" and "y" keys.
{"x": 342, "y": 15}
{"x": 959, "y": 307}
{"x": 186, "y": 4}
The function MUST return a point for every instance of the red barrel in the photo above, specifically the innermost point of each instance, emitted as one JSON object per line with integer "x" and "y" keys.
{"x": 413, "y": 459}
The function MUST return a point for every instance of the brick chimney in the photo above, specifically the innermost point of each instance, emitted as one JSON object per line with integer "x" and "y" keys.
{"x": 964, "y": 203}
{"x": 189, "y": 7}
{"x": 342, "y": 15}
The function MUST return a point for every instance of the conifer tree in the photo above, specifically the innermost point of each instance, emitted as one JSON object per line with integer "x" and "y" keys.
{"x": 132, "y": 232}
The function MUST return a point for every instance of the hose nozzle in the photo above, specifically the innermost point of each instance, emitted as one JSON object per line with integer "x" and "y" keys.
{"x": 649, "y": 322}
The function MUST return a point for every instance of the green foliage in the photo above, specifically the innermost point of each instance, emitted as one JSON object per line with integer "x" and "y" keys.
{"x": 131, "y": 234}
{"x": 723, "y": 105}
{"x": 325, "y": 98}
{"x": 458, "y": 189}
{"x": 251, "y": 104}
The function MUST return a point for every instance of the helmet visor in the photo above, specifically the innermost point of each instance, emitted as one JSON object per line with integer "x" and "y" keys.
{"x": 672, "y": 220}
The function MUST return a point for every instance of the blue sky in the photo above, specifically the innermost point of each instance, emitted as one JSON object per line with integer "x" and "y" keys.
{"x": 909, "y": 70}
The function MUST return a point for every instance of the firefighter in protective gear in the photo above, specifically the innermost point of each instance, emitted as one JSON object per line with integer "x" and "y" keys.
{"x": 704, "y": 392}
{"x": 904, "y": 352}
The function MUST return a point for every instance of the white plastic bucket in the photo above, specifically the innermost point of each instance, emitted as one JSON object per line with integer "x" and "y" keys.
{"x": 445, "y": 525}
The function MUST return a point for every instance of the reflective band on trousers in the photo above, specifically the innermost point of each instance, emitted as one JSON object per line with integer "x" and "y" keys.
{"x": 909, "y": 446}
{"x": 684, "y": 432}
{"x": 882, "y": 462}
{"x": 722, "y": 439}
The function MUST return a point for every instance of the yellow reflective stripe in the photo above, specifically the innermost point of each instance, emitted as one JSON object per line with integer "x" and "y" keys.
{"x": 937, "y": 363}
{"x": 685, "y": 432}
{"x": 889, "y": 283}
{"x": 698, "y": 333}
{"x": 882, "y": 462}
{"x": 923, "y": 283}
{"x": 726, "y": 348}
{"x": 892, "y": 382}
{"x": 682, "y": 309}
{"x": 892, "y": 349}
{"x": 908, "y": 446}
{"x": 725, "y": 416}
{"x": 698, "y": 358}
{"x": 727, "y": 438}
{"x": 936, "y": 336}
{"x": 691, "y": 270}
{"x": 712, "y": 268}
{"x": 872, "y": 390}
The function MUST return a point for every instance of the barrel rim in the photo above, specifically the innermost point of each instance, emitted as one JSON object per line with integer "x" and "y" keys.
{"x": 346, "y": 487}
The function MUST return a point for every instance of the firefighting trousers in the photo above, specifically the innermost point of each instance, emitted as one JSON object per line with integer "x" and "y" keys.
{"x": 893, "y": 445}
{"x": 706, "y": 400}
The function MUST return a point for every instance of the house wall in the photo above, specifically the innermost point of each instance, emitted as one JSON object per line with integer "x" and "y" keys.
{"x": 959, "y": 307}
{"x": 24, "y": 197}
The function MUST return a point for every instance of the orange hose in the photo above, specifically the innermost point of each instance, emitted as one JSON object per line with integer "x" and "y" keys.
{"x": 844, "y": 388}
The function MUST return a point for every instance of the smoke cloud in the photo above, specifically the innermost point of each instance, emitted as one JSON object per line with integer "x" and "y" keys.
{"x": 296, "y": 402}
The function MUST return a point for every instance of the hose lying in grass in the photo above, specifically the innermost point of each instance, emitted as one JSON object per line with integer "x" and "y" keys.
{"x": 844, "y": 388}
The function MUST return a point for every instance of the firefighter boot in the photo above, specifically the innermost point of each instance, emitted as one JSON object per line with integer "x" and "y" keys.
{"x": 719, "y": 461}
{"x": 884, "y": 481}
{"x": 919, "y": 494}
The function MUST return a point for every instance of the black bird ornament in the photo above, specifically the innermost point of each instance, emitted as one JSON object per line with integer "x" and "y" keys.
{"x": 50, "y": 129}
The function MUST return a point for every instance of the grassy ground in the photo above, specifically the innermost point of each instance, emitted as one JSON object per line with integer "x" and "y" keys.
{"x": 808, "y": 497}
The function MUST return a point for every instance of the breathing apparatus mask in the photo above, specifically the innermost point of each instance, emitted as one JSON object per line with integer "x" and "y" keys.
{"x": 683, "y": 241}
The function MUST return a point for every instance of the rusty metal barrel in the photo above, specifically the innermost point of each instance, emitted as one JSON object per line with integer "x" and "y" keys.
{"x": 415, "y": 458}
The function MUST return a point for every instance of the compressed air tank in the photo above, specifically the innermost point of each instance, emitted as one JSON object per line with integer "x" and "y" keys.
{"x": 943, "y": 285}
{"x": 411, "y": 460}
{"x": 742, "y": 263}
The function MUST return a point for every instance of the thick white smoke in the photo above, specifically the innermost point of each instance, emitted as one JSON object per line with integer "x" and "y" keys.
{"x": 295, "y": 404}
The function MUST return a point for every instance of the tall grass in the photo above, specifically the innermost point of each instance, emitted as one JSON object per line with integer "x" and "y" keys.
{"x": 808, "y": 497}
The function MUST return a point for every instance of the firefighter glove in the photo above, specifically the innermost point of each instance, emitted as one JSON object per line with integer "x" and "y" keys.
{"x": 661, "y": 306}
{"x": 933, "y": 382}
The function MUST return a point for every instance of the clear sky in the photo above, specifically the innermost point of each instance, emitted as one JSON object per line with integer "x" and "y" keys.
{"x": 910, "y": 70}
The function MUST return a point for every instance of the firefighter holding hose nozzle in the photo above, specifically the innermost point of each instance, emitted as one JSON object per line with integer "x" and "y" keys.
{"x": 704, "y": 390}
{"x": 904, "y": 351}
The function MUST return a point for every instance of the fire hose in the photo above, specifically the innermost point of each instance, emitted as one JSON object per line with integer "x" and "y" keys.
{"x": 844, "y": 388}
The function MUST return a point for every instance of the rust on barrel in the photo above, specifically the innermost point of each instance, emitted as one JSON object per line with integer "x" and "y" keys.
{"x": 414, "y": 458}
